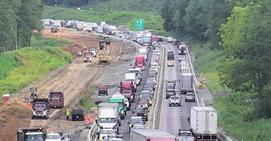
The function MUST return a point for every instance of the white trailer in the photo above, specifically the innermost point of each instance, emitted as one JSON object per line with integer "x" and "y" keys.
{"x": 203, "y": 123}
{"x": 100, "y": 29}
{"x": 57, "y": 23}
{"x": 103, "y": 24}
{"x": 186, "y": 83}
{"x": 80, "y": 25}
{"x": 108, "y": 115}
{"x": 131, "y": 76}
{"x": 48, "y": 22}
{"x": 151, "y": 135}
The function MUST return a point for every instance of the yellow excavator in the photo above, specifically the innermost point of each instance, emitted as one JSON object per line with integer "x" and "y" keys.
{"x": 104, "y": 58}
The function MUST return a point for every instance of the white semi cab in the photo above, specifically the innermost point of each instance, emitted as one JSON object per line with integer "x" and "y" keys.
{"x": 108, "y": 116}
{"x": 150, "y": 135}
{"x": 203, "y": 122}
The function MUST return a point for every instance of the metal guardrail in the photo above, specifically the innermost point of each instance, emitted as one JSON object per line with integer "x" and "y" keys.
{"x": 201, "y": 103}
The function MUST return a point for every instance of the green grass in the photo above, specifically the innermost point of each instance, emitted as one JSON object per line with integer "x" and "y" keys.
{"x": 27, "y": 64}
{"x": 152, "y": 20}
{"x": 86, "y": 100}
{"x": 37, "y": 41}
{"x": 235, "y": 111}
{"x": 126, "y": 5}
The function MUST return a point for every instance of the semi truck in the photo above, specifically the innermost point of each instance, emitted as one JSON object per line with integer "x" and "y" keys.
{"x": 31, "y": 134}
{"x": 151, "y": 135}
{"x": 140, "y": 62}
{"x": 186, "y": 83}
{"x": 121, "y": 105}
{"x": 56, "y": 99}
{"x": 153, "y": 38}
{"x": 108, "y": 116}
{"x": 129, "y": 76}
{"x": 146, "y": 41}
{"x": 127, "y": 90}
{"x": 203, "y": 123}
{"x": 40, "y": 108}
{"x": 100, "y": 29}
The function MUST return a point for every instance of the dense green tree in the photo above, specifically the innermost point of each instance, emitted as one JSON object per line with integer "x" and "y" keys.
{"x": 245, "y": 38}
{"x": 166, "y": 15}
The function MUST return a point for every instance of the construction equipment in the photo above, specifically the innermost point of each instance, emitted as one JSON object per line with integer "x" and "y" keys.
{"x": 33, "y": 93}
{"x": 31, "y": 133}
{"x": 104, "y": 58}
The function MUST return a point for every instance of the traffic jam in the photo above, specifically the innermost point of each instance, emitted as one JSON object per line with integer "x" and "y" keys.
{"x": 132, "y": 105}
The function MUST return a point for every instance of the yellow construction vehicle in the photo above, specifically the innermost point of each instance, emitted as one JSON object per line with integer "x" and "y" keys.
{"x": 104, "y": 58}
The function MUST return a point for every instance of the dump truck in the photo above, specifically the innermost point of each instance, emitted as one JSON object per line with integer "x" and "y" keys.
{"x": 203, "y": 123}
{"x": 108, "y": 116}
{"x": 87, "y": 56}
{"x": 31, "y": 134}
{"x": 40, "y": 108}
{"x": 151, "y": 135}
{"x": 186, "y": 83}
{"x": 56, "y": 99}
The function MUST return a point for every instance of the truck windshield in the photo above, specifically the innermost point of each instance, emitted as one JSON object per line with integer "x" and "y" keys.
{"x": 56, "y": 136}
{"x": 136, "y": 121}
{"x": 139, "y": 62}
{"x": 126, "y": 90}
{"x": 108, "y": 132}
{"x": 40, "y": 105}
{"x": 107, "y": 120}
{"x": 55, "y": 96}
{"x": 35, "y": 138}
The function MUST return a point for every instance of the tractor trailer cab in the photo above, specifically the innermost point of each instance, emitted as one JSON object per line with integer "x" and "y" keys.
{"x": 127, "y": 89}
{"x": 56, "y": 99}
{"x": 140, "y": 62}
{"x": 40, "y": 108}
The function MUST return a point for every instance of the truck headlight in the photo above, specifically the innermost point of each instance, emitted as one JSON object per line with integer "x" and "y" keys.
{"x": 45, "y": 112}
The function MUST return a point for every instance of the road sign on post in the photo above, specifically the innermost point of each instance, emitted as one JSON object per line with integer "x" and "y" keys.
{"x": 139, "y": 24}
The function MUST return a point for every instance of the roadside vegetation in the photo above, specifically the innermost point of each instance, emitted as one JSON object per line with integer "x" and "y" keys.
{"x": 22, "y": 67}
{"x": 86, "y": 100}
{"x": 232, "y": 46}
{"x": 152, "y": 20}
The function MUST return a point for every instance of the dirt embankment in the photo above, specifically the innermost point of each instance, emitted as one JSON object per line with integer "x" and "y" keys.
{"x": 72, "y": 79}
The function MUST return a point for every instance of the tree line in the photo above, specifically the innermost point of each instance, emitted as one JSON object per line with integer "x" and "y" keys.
{"x": 70, "y": 3}
{"x": 19, "y": 18}
{"x": 239, "y": 28}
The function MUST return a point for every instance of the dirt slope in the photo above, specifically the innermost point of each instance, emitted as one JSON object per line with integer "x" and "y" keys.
{"x": 72, "y": 79}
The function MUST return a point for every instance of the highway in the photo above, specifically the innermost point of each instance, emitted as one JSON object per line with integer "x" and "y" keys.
{"x": 174, "y": 118}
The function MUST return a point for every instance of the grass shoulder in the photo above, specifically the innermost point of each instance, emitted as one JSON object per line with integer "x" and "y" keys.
{"x": 22, "y": 67}
{"x": 235, "y": 110}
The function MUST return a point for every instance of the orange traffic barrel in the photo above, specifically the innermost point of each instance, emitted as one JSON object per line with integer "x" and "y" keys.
{"x": 91, "y": 119}
{"x": 87, "y": 121}
{"x": 96, "y": 112}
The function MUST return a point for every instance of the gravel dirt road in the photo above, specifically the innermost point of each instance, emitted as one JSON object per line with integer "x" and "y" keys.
{"x": 72, "y": 79}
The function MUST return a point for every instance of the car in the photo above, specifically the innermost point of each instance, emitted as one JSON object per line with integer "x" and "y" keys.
{"x": 93, "y": 50}
{"x": 150, "y": 83}
{"x": 174, "y": 100}
{"x": 152, "y": 75}
{"x": 155, "y": 52}
{"x": 105, "y": 132}
{"x": 135, "y": 122}
{"x": 116, "y": 137}
{"x": 185, "y": 135}
{"x": 66, "y": 137}
{"x": 182, "y": 58}
{"x": 142, "y": 111}
{"x": 77, "y": 114}
{"x": 190, "y": 97}
{"x": 154, "y": 68}
{"x": 170, "y": 90}
{"x": 152, "y": 79}
{"x": 53, "y": 136}
{"x": 143, "y": 102}
{"x": 149, "y": 89}
{"x": 170, "y": 63}
{"x": 156, "y": 45}
{"x": 154, "y": 64}
{"x": 102, "y": 90}
{"x": 147, "y": 96}
{"x": 171, "y": 82}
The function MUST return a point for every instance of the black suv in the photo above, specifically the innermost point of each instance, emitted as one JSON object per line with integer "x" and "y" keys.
{"x": 142, "y": 111}
{"x": 77, "y": 114}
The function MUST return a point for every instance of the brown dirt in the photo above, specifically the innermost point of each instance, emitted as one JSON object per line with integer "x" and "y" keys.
{"x": 73, "y": 79}
{"x": 14, "y": 114}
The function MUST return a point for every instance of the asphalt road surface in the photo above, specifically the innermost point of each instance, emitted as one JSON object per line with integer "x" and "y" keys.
{"x": 174, "y": 118}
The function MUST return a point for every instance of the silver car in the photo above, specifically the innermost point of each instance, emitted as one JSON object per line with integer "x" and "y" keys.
{"x": 174, "y": 100}
{"x": 190, "y": 97}
{"x": 185, "y": 135}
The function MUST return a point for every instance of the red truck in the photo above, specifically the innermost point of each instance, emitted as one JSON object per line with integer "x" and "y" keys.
{"x": 56, "y": 99}
{"x": 154, "y": 38}
{"x": 127, "y": 89}
{"x": 87, "y": 56}
{"x": 140, "y": 62}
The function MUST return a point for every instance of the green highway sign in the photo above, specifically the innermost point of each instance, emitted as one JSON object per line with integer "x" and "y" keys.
{"x": 139, "y": 24}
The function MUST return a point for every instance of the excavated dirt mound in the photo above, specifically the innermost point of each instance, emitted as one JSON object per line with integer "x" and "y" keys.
{"x": 13, "y": 114}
